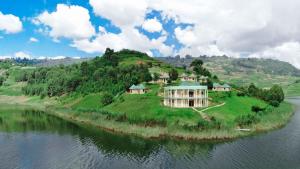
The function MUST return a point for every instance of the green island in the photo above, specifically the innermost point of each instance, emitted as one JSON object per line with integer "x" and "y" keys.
{"x": 101, "y": 92}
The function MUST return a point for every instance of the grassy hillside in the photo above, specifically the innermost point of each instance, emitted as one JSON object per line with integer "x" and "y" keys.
{"x": 293, "y": 89}
{"x": 262, "y": 72}
{"x": 234, "y": 106}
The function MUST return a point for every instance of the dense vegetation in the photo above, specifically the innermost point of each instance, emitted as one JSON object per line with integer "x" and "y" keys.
{"x": 102, "y": 74}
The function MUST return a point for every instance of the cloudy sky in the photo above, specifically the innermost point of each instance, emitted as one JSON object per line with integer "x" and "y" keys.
{"x": 243, "y": 28}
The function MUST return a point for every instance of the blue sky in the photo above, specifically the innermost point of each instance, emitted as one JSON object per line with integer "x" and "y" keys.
{"x": 84, "y": 28}
{"x": 46, "y": 46}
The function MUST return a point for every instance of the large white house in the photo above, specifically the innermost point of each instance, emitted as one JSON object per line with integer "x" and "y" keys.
{"x": 186, "y": 95}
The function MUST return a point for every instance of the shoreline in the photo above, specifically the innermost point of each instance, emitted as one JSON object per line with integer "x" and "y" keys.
{"x": 158, "y": 133}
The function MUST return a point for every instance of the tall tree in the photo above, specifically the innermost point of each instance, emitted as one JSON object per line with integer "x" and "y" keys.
{"x": 173, "y": 74}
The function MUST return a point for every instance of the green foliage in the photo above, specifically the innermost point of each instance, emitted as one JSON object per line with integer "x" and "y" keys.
{"x": 2, "y": 79}
{"x": 101, "y": 74}
{"x": 275, "y": 94}
{"x": 155, "y": 76}
{"x": 107, "y": 99}
{"x": 173, "y": 74}
{"x": 257, "y": 109}
{"x": 196, "y": 63}
{"x": 274, "y": 103}
{"x": 246, "y": 120}
{"x": 270, "y": 96}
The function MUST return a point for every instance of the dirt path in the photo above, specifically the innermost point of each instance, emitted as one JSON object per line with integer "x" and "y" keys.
{"x": 205, "y": 116}
{"x": 219, "y": 105}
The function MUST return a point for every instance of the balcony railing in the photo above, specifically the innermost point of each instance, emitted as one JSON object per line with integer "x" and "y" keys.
{"x": 185, "y": 97}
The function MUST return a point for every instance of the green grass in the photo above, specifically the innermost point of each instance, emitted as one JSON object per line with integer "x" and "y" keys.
{"x": 234, "y": 107}
{"x": 149, "y": 106}
{"x": 88, "y": 102}
{"x": 10, "y": 87}
{"x": 292, "y": 90}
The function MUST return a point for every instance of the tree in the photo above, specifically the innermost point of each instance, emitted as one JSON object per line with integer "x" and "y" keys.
{"x": 252, "y": 90}
{"x": 1, "y": 80}
{"x": 155, "y": 76}
{"x": 275, "y": 94}
{"x": 107, "y": 99}
{"x": 110, "y": 58}
{"x": 173, "y": 74}
{"x": 197, "y": 62}
{"x": 147, "y": 77}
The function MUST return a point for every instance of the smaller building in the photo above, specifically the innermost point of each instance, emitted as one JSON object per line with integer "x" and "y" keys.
{"x": 193, "y": 78}
{"x": 203, "y": 79}
{"x": 219, "y": 87}
{"x": 137, "y": 89}
{"x": 163, "y": 78}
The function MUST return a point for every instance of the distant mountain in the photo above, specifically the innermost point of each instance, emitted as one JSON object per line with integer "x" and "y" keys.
{"x": 231, "y": 65}
{"x": 243, "y": 71}
{"x": 63, "y": 61}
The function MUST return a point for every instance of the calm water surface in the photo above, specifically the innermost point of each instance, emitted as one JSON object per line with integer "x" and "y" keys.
{"x": 45, "y": 142}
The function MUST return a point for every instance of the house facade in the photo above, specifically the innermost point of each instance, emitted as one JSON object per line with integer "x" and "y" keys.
{"x": 163, "y": 78}
{"x": 219, "y": 87}
{"x": 184, "y": 96}
{"x": 193, "y": 78}
{"x": 137, "y": 89}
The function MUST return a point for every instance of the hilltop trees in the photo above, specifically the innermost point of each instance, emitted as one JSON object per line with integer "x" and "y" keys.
{"x": 198, "y": 68}
{"x": 102, "y": 74}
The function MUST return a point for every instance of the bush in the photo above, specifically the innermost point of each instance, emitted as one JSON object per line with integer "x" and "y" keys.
{"x": 241, "y": 94}
{"x": 2, "y": 79}
{"x": 107, "y": 99}
{"x": 274, "y": 103}
{"x": 245, "y": 120}
{"x": 257, "y": 109}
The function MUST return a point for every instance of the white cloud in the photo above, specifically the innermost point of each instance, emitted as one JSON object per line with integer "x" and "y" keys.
{"x": 288, "y": 52}
{"x": 10, "y": 23}
{"x": 121, "y": 13}
{"x": 152, "y": 25}
{"x": 22, "y": 55}
{"x": 67, "y": 21}
{"x": 216, "y": 27}
{"x": 32, "y": 39}
{"x": 129, "y": 38}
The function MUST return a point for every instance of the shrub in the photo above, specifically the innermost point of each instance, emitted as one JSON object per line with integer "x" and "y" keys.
{"x": 107, "y": 99}
{"x": 245, "y": 120}
{"x": 274, "y": 103}
{"x": 2, "y": 79}
{"x": 257, "y": 109}
{"x": 241, "y": 94}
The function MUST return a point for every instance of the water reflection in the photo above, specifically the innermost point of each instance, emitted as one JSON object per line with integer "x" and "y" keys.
{"x": 31, "y": 140}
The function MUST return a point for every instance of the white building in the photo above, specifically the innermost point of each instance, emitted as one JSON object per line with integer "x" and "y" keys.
{"x": 186, "y": 95}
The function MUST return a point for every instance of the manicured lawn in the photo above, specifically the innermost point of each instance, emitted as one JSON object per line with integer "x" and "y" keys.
{"x": 234, "y": 107}
{"x": 149, "y": 106}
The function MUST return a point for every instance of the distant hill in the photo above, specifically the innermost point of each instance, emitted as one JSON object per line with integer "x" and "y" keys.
{"x": 229, "y": 64}
{"x": 243, "y": 71}
{"x": 64, "y": 61}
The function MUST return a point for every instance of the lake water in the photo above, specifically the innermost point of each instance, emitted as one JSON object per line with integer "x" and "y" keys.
{"x": 46, "y": 142}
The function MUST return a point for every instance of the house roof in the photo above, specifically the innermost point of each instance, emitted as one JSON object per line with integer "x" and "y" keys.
{"x": 137, "y": 87}
{"x": 219, "y": 85}
{"x": 164, "y": 75}
{"x": 187, "y": 85}
{"x": 203, "y": 77}
{"x": 192, "y": 75}
{"x": 183, "y": 75}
